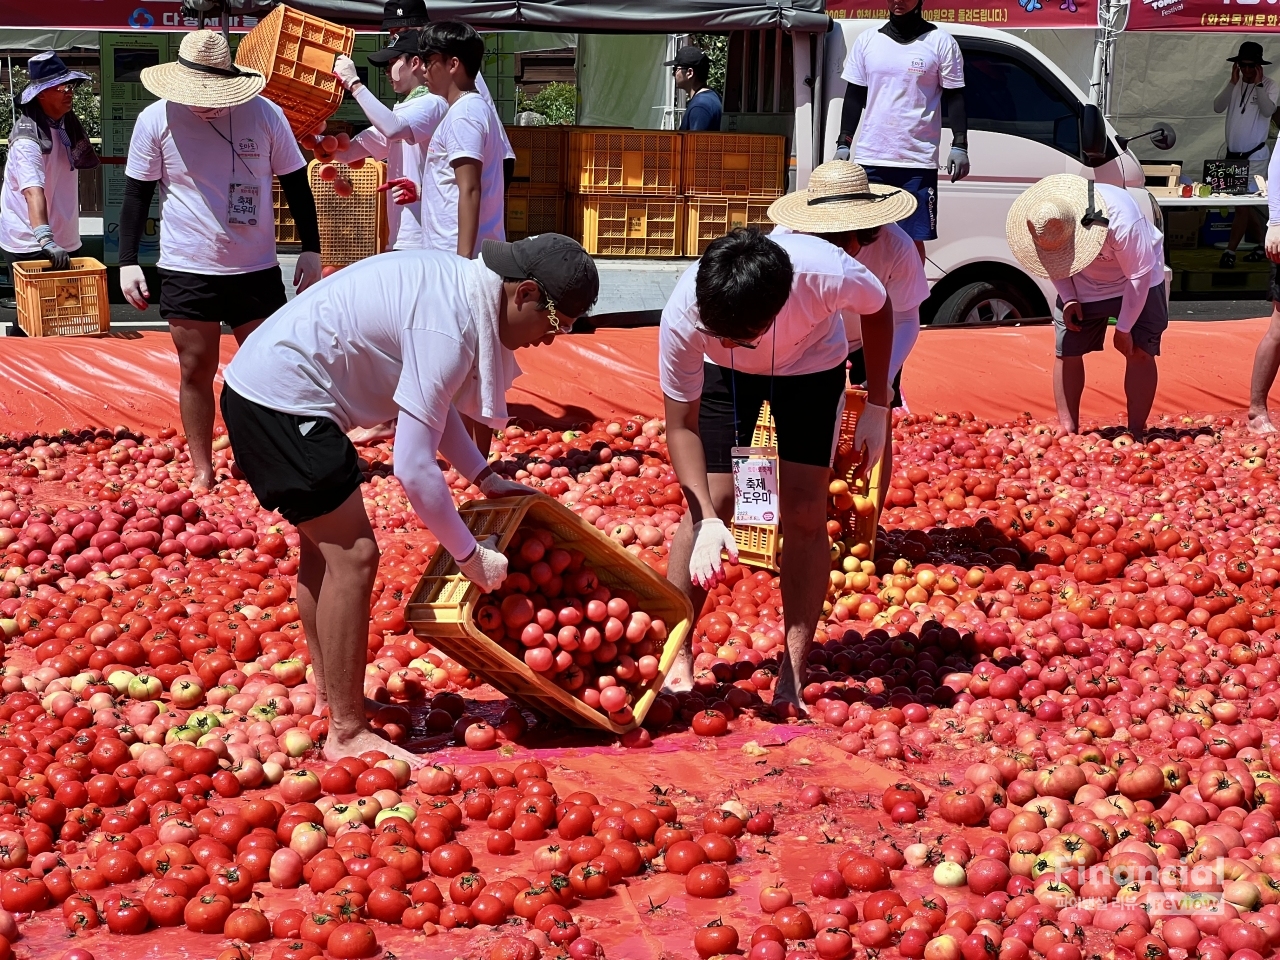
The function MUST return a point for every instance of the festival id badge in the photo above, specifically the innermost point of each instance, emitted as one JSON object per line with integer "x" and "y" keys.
{"x": 242, "y": 204}
{"x": 755, "y": 486}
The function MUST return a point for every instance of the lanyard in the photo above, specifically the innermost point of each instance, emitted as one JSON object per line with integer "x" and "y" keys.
{"x": 1244, "y": 94}
{"x": 235, "y": 154}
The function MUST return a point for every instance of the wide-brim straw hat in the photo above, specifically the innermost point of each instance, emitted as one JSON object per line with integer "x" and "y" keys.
{"x": 839, "y": 198}
{"x": 204, "y": 75}
{"x": 1045, "y": 231}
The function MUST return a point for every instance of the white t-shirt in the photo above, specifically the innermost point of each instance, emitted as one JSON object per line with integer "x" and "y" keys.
{"x": 806, "y": 337}
{"x": 469, "y": 130}
{"x": 903, "y": 120}
{"x": 407, "y": 159}
{"x": 387, "y": 333}
{"x": 193, "y": 160}
{"x": 28, "y": 167}
{"x": 482, "y": 88}
{"x": 1247, "y": 125}
{"x": 1133, "y": 249}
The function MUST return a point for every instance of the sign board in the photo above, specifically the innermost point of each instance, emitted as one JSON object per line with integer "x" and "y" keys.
{"x": 1209, "y": 16}
{"x": 1000, "y": 14}
{"x": 1227, "y": 176}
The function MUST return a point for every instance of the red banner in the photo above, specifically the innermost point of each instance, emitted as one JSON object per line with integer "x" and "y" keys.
{"x": 1209, "y": 16}
{"x": 999, "y": 14}
{"x": 115, "y": 15}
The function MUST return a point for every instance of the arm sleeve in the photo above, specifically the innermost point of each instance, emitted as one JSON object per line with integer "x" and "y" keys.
{"x": 459, "y": 447}
{"x": 133, "y": 217}
{"x": 1133, "y": 300}
{"x": 957, "y": 118}
{"x": 1066, "y": 290}
{"x": 302, "y": 205}
{"x": 1222, "y": 99}
{"x": 908, "y": 287}
{"x": 855, "y": 101}
{"x": 418, "y": 472}
{"x": 366, "y": 143}
{"x": 1273, "y": 189}
{"x": 385, "y": 120}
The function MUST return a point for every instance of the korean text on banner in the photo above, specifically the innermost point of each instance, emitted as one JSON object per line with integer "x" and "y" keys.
{"x": 1233, "y": 16}
{"x": 1000, "y": 14}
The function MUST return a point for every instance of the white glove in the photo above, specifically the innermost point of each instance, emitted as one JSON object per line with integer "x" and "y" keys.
{"x": 345, "y": 71}
{"x": 486, "y": 567}
{"x": 869, "y": 438}
{"x": 307, "y": 270}
{"x": 494, "y": 487}
{"x": 710, "y": 538}
{"x": 1273, "y": 242}
{"x": 133, "y": 284}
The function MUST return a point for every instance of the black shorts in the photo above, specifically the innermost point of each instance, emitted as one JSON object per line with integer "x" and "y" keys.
{"x": 806, "y": 413}
{"x": 858, "y": 374}
{"x": 1147, "y": 331}
{"x": 304, "y": 467}
{"x": 234, "y": 299}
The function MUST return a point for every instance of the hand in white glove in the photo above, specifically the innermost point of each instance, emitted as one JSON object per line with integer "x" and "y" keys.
{"x": 869, "y": 439}
{"x": 345, "y": 71}
{"x": 134, "y": 285}
{"x": 486, "y": 567}
{"x": 307, "y": 271}
{"x": 1273, "y": 243}
{"x": 710, "y": 538}
{"x": 494, "y": 487}
{"x": 842, "y": 153}
{"x": 958, "y": 163}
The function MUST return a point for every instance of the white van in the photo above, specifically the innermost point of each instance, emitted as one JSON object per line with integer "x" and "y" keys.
{"x": 1027, "y": 120}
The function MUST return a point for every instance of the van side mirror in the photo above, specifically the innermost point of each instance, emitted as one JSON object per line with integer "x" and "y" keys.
{"x": 1093, "y": 136}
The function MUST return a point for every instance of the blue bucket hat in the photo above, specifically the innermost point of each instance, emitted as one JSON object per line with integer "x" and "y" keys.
{"x": 47, "y": 70}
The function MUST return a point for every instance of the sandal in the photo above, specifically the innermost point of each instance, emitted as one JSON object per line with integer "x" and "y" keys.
{"x": 1228, "y": 259}
{"x": 1256, "y": 255}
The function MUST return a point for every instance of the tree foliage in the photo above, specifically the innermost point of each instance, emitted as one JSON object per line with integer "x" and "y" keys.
{"x": 558, "y": 102}
{"x": 87, "y": 105}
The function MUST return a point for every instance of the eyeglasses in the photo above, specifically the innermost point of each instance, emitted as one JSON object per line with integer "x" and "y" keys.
{"x": 744, "y": 344}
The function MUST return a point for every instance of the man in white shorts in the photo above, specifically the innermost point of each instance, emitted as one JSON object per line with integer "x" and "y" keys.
{"x": 391, "y": 337}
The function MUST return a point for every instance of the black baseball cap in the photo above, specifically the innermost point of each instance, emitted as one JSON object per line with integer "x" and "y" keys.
{"x": 688, "y": 57}
{"x": 402, "y": 45}
{"x": 400, "y": 14}
{"x": 561, "y": 267}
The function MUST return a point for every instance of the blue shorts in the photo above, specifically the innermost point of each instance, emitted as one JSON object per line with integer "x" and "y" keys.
{"x": 922, "y": 183}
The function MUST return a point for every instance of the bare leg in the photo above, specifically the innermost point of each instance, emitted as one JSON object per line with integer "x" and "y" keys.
{"x": 197, "y": 342}
{"x": 803, "y": 495}
{"x": 350, "y": 554}
{"x": 1239, "y": 223}
{"x": 1068, "y": 387}
{"x": 1265, "y": 363}
{"x": 680, "y": 676}
{"x": 1140, "y": 379}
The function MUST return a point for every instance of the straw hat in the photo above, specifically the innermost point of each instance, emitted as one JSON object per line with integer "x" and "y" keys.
{"x": 204, "y": 75}
{"x": 1045, "y": 231}
{"x": 839, "y": 198}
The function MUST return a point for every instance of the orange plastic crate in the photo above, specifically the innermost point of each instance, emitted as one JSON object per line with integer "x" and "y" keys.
{"x": 629, "y": 226}
{"x": 443, "y": 605}
{"x": 295, "y": 52}
{"x": 634, "y": 162}
{"x": 734, "y": 165}
{"x": 532, "y": 209}
{"x": 286, "y": 229}
{"x": 709, "y": 218}
{"x": 542, "y": 155}
{"x": 354, "y": 227}
{"x": 61, "y": 303}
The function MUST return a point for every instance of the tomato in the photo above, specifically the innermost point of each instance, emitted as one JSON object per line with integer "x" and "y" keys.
{"x": 165, "y": 907}
{"x": 707, "y": 881}
{"x": 208, "y": 912}
{"x": 352, "y": 941}
{"x": 125, "y": 916}
{"x": 450, "y": 860}
{"x": 295, "y": 950}
{"x": 715, "y": 939}
{"x": 589, "y": 880}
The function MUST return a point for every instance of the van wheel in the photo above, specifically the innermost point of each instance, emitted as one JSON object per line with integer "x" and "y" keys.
{"x": 982, "y": 304}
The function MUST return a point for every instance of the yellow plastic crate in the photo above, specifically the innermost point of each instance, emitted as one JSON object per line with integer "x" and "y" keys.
{"x": 629, "y": 226}
{"x": 634, "y": 162}
{"x": 442, "y": 608}
{"x": 542, "y": 155}
{"x": 734, "y": 165}
{"x": 61, "y": 303}
{"x": 295, "y": 52}
{"x": 710, "y": 218}
{"x": 532, "y": 209}
{"x": 354, "y": 227}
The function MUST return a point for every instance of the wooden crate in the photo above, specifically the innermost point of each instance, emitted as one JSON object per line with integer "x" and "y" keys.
{"x": 442, "y": 607}
{"x": 629, "y": 226}
{"x": 709, "y": 218}
{"x": 61, "y": 303}
{"x": 295, "y": 52}
{"x": 532, "y": 209}
{"x": 1162, "y": 178}
{"x": 354, "y": 227}
{"x": 734, "y": 165}
{"x": 542, "y": 155}
{"x": 633, "y": 162}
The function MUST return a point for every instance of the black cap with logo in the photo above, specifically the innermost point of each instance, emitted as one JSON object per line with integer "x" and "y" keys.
{"x": 689, "y": 57}
{"x": 404, "y": 44}
{"x": 561, "y": 267}
{"x": 402, "y": 14}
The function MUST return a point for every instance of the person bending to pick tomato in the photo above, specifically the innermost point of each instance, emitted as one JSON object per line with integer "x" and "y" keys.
{"x": 1106, "y": 260}
{"x": 758, "y": 319}
{"x": 394, "y": 336}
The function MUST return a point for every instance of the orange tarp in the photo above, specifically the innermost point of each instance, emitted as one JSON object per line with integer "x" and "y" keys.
{"x": 46, "y": 385}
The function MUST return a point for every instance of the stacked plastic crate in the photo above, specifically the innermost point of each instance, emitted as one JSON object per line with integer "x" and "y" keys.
{"x": 536, "y": 196}
{"x": 729, "y": 180}
{"x": 624, "y": 190}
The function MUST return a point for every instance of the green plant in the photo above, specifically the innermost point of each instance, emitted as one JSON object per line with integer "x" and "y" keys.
{"x": 716, "y": 47}
{"x": 558, "y": 102}
{"x": 86, "y": 104}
